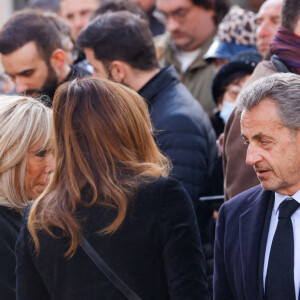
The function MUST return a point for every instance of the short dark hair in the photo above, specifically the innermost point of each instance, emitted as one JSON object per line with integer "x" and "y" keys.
{"x": 221, "y": 7}
{"x": 290, "y": 14}
{"x": 119, "y": 5}
{"x": 30, "y": 26}
{"x": 120, "y": 36}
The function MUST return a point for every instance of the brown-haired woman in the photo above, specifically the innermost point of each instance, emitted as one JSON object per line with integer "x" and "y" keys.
{"x": 109, "y": 186}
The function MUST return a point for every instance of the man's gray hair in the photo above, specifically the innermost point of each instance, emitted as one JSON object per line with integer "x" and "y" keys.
{"x": 283, "y": 89}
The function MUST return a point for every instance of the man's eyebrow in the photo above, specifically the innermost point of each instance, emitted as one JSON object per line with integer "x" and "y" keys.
{"x": 258, "y": 136}
{"x": 275, "y": 17}
{"x": 25, "y": 71}
{"x": 176, "y": 11}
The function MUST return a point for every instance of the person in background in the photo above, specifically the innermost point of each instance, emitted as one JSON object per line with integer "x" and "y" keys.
{"x": 228, "y": 83}
{"x": 78, "y": 13}
{"x": 236, "y": 33}
{"x": 191, "y": 26}
{"x": 32, "y": 54}
{"x": 267, "y": 20}
{"x": 156, "y": 20}
{"x": 111, "y": 187}
{"x": 257, "y": 237}
{"x": 26, "y": 163}
{"x": 226, "y": 86}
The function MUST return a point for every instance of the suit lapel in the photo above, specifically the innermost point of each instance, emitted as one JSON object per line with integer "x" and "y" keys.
{"x": 251, "y": 228}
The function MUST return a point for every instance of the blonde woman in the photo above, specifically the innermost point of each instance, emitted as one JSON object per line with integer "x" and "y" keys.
{"x": 26, "y": 162}
{"x": 110, "y": 186}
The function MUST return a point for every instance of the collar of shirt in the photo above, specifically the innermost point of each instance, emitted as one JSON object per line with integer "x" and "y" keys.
{"x": 280, "y": 198}
{"x": 296, "y": 226}
{"x": 187, "y": 58}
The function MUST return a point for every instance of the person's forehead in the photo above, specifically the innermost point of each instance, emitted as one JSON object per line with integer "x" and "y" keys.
{"x": 172, "y": 5}
{"x": 24, "y": 57}
{"x": 270, "y": 8}
{"x": 73, "y": 6}
{"x": 264, "y": 116}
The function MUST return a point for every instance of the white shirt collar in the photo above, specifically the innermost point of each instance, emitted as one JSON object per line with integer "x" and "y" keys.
{"x": 279, "y": 198}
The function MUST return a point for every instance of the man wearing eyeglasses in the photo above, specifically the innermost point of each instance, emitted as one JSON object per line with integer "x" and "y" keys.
{"x": 191, "y": 26}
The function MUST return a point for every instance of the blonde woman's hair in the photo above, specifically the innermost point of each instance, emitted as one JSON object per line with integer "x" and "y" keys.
{"x": 24, "y": 123}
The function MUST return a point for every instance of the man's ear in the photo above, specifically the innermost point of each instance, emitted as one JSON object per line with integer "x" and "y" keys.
{"x": 57, "y": 59}
{"x": 118, "y": 70}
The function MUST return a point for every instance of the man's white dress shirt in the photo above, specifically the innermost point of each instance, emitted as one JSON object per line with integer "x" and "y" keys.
{"x": 296, "y": 228}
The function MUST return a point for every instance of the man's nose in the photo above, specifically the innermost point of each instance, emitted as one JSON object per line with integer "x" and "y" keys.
{"x": 171, "y": 24}
{"x": 253, "y": 155}
{"x": 21, "y": 86}
{"x": 79, "y": 22}
{"x": 264, "y": 30}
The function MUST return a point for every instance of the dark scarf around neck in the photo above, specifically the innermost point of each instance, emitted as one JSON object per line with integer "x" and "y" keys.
{"x": 286, "y": 46}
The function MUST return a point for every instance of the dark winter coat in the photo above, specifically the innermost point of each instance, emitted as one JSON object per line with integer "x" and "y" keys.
{"x": 10, "y": 225}
{"x": 156, "y": 251}
{"x": 184, "y": 134}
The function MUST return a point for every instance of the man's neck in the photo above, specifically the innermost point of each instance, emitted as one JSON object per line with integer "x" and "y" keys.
{"x": 64, "y": 73}
{"x": 139, "y": 78}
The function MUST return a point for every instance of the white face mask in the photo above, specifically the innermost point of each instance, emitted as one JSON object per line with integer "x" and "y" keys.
{"x": 226, "y": 111}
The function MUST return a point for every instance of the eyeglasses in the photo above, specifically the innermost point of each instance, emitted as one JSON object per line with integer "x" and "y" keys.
{"x": 233, "y": 90}
{"x": 179, "y": 14}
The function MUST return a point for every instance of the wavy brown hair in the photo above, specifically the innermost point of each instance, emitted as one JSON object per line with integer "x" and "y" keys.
{"x": 102, "y": 139}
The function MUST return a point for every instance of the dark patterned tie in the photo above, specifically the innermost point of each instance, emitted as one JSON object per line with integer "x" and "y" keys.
{"x": 280, "y": 272}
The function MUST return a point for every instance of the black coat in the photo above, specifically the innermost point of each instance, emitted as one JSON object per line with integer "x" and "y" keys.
{"x": 185, "y": 134}
{"x": 156, "y": 251}
{"x": 10, "y": 225}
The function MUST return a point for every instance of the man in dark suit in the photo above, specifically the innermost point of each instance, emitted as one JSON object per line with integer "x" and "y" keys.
{"x": 257, "y": 254}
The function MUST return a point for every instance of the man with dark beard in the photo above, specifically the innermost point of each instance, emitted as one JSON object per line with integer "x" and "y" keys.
{"x": 32, "y": 55}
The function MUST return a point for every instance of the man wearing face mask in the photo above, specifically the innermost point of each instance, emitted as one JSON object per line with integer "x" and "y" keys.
{"x": 227, "y": 84}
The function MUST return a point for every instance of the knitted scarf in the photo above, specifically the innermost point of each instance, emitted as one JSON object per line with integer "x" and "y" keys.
{"x": 286, "y": 46}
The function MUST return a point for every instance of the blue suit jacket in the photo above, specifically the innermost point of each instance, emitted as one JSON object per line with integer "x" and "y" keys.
{"x": 241, "y": 235}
